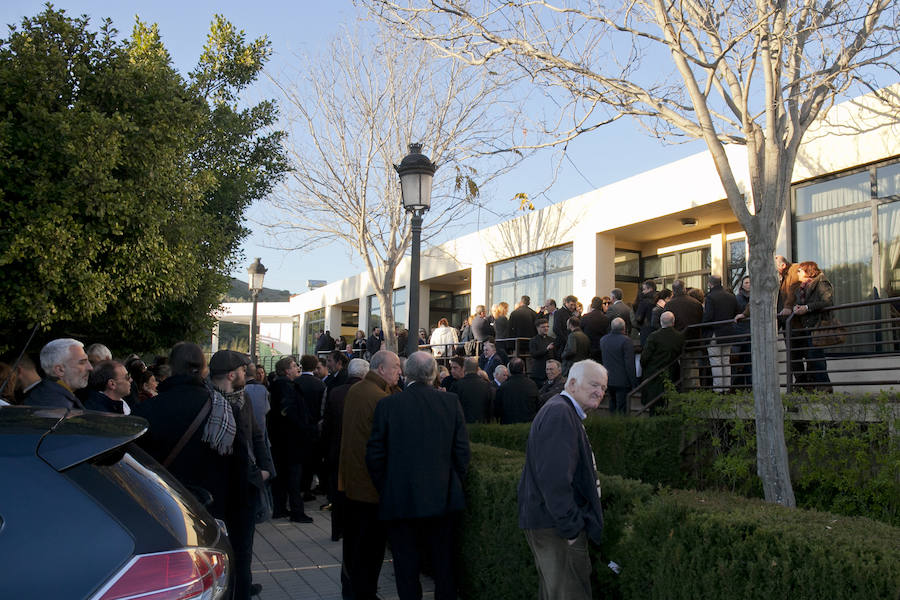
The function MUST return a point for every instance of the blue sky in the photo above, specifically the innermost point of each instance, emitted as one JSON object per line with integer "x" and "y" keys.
{"x": 602, "y": 157}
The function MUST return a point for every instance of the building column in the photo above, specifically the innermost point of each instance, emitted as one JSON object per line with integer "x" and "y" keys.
{"x": 606, "y": 265}
{"x": 584, "y": 266}
{"x": 333, "y": 320}
{"x": 364, "y": 316}
{"x": 425, "y": 307}
{"x": 718, "y": 252}
{"x": 479, "y": 285}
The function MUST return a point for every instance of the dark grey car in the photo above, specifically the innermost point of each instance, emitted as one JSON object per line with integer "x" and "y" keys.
{"x": 85, "y": 513}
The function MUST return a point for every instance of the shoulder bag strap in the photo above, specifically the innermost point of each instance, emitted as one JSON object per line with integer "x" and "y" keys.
{"x": 188, "y": 434}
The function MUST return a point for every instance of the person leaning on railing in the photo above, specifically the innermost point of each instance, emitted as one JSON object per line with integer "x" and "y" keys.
{"x": 813, "y": 294}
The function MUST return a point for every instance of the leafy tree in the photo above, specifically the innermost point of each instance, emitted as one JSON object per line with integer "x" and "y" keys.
{"x": 123, "y": 185}
{"x": 755, "y": 73}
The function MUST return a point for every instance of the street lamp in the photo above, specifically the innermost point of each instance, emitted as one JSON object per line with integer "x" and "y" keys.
{"x": 416, "y": 176}
{"x": 257, "y": 274}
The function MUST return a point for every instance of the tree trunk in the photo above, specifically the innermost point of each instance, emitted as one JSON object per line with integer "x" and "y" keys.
{"x": 771, "y": 454}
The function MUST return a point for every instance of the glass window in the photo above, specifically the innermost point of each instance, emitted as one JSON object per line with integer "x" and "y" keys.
{"x": 737, "y": 263}
{"x": 888, "y": 181}
{"x": 835, "y": 193}
{"x": 559, "y": 285}
{"x": 628, "y": 265}
{"x": 399, "y": 301}
{"x": 691, "y": 266}
{"x": 533, "y": 275}
{"x": 559, "y": 258}
{"x": 315, "y": 322}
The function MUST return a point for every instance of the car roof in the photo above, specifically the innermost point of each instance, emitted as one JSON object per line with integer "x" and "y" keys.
{"x": 64, "y": 437}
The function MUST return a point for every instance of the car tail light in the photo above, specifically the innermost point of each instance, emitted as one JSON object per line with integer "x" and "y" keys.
{"x": 200, "y": 573}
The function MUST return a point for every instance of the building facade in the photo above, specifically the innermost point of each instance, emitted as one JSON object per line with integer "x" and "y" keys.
{"x": 666, "y": 223}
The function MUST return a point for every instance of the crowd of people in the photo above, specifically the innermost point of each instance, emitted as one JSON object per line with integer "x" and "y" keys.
{"x": 380, "y": 437}
{"x": 383, "y": 438}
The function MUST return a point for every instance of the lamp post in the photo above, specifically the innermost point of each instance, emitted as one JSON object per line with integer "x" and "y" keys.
{"x": 416, "y": 176}
{"x": 257, "y": 274}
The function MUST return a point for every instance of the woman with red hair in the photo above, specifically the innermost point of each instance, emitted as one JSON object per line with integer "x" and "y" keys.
{"x": 813, "y": 294}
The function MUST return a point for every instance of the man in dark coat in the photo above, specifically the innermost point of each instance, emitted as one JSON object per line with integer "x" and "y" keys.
{"x": 554, "y": 383}
{"x": 688, "y": 311}
{"x": 521, "y": 323}
{"x": 720, "y": 305}
{"x": 561, "y": 323}
{"x": 644, "y": 311}
{"x": 418, "y": 456}
{"x": 109, "y": 383}
{"x": 364, "y": 534}
{"x": 253, "y": 465}
{"x": 66, "y": 367}
{"x": 595, "y": 324}
{"x": 662, "y": 350}
{"x": 312, "y": 389}
{"x": 491, "y": 358}
{"x": 481, "y": 328}
{"x": 373, "y": 344}
{"x": 332, "y": 430}
{"x": 620, "y": 309}
{"x": 291, "y": 430}
{"x": 578, "y": 345}
{"x": 202, "y": 463}
{"x": 476, "y": 396}
{"x": 558, "y": 493}
{"x": 517, "y": 399}
{"x": 618, "y": 358}
{"x": 540, "y": 350}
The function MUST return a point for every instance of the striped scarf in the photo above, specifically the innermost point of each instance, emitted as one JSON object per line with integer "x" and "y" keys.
{"x": 220, "y": 426}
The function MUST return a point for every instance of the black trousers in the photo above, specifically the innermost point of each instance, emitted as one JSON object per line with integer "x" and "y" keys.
{"x": 435, "y": 536}
{"x": 241, "y": 523}
{"x": 364, "y": 540}
{"x": 287, "y": 487}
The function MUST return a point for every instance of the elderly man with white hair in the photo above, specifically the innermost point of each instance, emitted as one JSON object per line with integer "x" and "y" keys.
{"x": 559, "y": 493}
{"x": 67, "y": 368}
{"x": 417, "y": 456}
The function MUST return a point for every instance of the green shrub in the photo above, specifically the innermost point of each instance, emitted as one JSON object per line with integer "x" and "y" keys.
{"x": 678, "y": 544}
{"x": 645, "y": 449}
{"x": 711, "y": 545}
{"x": 844, "y": 450}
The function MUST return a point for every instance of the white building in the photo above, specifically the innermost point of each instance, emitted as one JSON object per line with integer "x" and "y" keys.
{"x": 666, "y": 223}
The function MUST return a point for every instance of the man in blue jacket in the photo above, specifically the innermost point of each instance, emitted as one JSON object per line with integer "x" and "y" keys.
{"x": 559, "y": 493}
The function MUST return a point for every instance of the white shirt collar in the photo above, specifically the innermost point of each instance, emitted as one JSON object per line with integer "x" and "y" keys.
{"x": 577, "y": 406}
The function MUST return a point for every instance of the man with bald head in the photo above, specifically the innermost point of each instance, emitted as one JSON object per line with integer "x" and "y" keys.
{"x": 417, "y": 456}
{"x": 67, "y": 369}
{"x": 559, "y": 493}
{"x": 663, "y": 348}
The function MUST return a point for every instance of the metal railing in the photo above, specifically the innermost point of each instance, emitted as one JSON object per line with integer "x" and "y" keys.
{"x": 864, "y": 353}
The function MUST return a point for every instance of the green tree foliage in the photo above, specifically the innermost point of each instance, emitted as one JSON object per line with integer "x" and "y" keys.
{"x": 122, "y": 184}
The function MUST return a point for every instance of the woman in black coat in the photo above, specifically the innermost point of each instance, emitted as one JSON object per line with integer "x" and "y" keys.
{"x": 813, "y": 294}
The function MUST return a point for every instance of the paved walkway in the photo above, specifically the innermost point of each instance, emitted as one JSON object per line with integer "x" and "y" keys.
{"x": 294, "y": 561}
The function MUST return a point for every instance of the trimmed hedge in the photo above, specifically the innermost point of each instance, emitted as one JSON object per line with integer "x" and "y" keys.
{"x": 678, "y": 544}
{"x": 645, "y": 449}
{"x": 688, "y": 545}
{"x": 845, "y": 456}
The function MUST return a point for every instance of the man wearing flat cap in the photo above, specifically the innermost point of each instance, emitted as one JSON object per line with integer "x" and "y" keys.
{"x": 228, "y": 372}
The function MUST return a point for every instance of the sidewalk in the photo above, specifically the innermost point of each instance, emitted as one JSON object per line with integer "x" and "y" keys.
{"x": 294, "y": 561}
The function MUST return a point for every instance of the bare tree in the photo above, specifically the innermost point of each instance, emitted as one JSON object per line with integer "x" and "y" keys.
{"x": 757, "y": 73}
{"x": 353, "y": 112}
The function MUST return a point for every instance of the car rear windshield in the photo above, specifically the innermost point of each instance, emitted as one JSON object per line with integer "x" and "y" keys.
{"x": 154, "y": 489}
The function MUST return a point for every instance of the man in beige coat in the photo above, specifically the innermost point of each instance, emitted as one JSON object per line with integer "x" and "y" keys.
{"x": 364, "y": 534}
